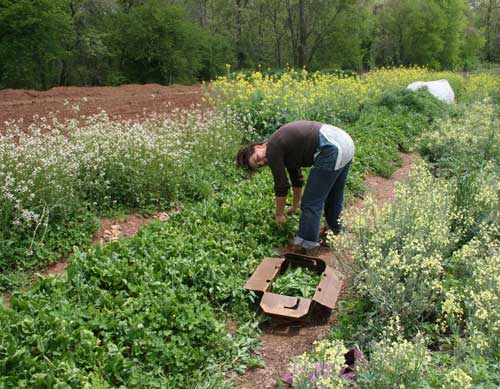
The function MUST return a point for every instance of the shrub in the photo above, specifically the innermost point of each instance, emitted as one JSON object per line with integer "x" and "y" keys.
{"x": 396, "y": 363}
{"x": 399, "y": 250}
{"x": 321, "y": 367}
{"x": 405, "y": 100}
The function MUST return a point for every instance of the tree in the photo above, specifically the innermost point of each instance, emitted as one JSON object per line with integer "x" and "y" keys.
{"x": 312, "y": 23}
{"x": 346, "y": 44}
{"x": 34, "y": 35}
{"x": 159, "y": 44}
{"x": 423, "y": 32}
{"x": 487, "y": 18}
{"x": 473, "y": 42}
{"x": 453, "y": 36}
{"x": 91, "y": 57}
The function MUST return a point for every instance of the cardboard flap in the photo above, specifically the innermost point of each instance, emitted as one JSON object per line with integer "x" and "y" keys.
{"x": 264, "y": 275}
{"x": 313, "y": 263}
{"x": 287, "y": 306}
{"x": 328, "y": 289}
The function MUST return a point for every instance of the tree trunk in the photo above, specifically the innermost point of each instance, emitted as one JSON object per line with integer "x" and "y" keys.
{"x": 63, "y": 74}
{"x": 489, "y": 11}
{"x": 293, "y": 36}
{"x": 203, "y": 14}
{"x": 302, "y": 47}
{"x": 240, "y": 54}
{"x": 277, "y": 37}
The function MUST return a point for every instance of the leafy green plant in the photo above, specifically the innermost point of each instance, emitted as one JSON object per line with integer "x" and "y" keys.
{"x": 146, "y": 311}
{"x": 405, "y": 100}
{"x": 298, "y": 281}
{"x": 151, "y": 311}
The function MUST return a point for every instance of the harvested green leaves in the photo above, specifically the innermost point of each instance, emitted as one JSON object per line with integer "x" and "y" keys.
{"x": 299, "y": 282}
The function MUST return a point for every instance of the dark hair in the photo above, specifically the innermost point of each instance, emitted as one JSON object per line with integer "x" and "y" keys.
{"x": 245, "y": 153}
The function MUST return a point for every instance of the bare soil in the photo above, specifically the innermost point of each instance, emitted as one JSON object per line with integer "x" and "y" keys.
{"x": 126, "y": 102}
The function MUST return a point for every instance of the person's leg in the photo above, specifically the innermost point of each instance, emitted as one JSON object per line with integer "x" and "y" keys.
{"x": 334, "y": 203}
{"x": 319, "y": 185}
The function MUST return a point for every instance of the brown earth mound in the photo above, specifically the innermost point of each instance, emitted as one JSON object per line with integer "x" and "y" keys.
{"x": 126, "y": 102}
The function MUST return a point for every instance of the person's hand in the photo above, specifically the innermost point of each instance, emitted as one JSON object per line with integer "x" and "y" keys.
{"x": 280, "y": 219}
{"x": 291, "y": 211}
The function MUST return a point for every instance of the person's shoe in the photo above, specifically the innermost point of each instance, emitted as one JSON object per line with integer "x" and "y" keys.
{"x": 340, "y": 230}
{"x": 310, "y": 252}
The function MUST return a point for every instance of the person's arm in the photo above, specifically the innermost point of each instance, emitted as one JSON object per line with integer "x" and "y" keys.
{"x": 280, "y": 209}
{"x": 275, "y": 161}
{"x": 297, "y": 179}
{"x": 297, "y": 193}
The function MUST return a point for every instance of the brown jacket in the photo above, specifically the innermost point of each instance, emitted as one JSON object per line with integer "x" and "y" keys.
{"x": 291, "y": 147}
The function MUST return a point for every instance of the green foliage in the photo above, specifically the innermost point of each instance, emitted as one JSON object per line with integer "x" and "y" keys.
{"x": 421, "y": 32}
{"x": 464, "y": 143}
{"x": 158, "y": 44}
{"x": 299, "y": 282}
{"x": 138, "y": 312}
{"x": 151, "y": 336}
{"x": 405, "y": 100}
{"x": 485, "y": 16}
{"x": 89, "y": 42}
{"x": 389, "y": 125}
{"x": 24, "y": 248}
{"x": 50, "y": 200}
{"x": 397, "y": 265}
{"x": 150, "y": 311}
{"x": 342, "y": 44}
{"x": 91, "y": 54}
{"x": 379, "y": 134}
{"x": 473, "y": 44}
{"x": 427, "y": 265}
{"x": 34, "y": 36}
{"x": 216, "y": 52}
{"x": 353, "y": 314}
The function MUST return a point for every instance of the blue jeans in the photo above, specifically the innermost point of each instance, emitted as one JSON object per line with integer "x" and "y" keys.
{"x": 324, "y": 191}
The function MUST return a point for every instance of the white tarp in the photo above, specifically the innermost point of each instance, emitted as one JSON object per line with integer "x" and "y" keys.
{"x": 440, "y": 89}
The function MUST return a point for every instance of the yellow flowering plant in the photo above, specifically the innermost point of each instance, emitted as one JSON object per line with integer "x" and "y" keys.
{"x": 320, "y": 369}
{"x": 429, "y": 263}
{"x": 267, "y": 101}
{"x": 399, "y": 249}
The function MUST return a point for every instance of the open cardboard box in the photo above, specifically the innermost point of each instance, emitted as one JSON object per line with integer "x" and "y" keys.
{"x": 324, "y": 299}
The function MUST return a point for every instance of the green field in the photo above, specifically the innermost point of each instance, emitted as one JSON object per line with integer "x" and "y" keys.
{"x": 152, "y": 310}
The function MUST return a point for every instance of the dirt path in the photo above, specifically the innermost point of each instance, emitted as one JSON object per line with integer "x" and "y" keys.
{"x": 126, "y": 102}
{"x": 279, "y": 343}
